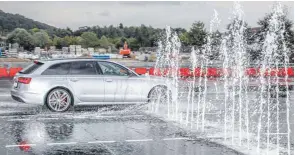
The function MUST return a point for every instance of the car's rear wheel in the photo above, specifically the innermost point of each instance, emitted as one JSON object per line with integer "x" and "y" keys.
{"x": 59, "y": 100}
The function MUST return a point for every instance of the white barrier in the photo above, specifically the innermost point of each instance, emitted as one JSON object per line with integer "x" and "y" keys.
{"x": 119, "y": 56}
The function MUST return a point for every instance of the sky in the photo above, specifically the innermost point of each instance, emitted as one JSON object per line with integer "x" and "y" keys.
{"x": 159, "y": 14}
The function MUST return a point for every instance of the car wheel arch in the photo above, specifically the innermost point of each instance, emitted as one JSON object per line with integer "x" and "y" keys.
{"x": 61, "y": 87}
{"x": 154, "y": 87}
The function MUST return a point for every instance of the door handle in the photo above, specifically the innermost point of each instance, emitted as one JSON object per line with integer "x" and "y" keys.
{"x": 74, "y": 80}
{"x": 108, "y": 80}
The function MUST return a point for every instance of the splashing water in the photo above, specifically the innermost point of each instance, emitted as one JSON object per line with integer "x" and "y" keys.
{"x": 167, "y": 65}
{"x": 247, "y": 118}
{"x": 238, "y": 61}
{"x": 193, "y": 61}
{"x": 272, "y": 53}
{"x": 207, "y": 52}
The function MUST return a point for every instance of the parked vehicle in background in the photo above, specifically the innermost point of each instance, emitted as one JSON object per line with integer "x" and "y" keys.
{"x": 126, "y": 52}
{"x": 61, "y": 84}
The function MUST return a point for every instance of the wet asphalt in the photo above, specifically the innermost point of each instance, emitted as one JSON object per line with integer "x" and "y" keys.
{"x": 124, "y": 130}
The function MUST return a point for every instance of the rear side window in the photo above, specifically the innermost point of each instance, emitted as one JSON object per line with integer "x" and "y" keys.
{"x": 58, "y": 69}
{"x": 83, "y": 68}
{"x": 31, "y": 68}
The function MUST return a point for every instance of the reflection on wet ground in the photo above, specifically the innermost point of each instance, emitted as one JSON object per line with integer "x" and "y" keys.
{"x": 103, "y": 134}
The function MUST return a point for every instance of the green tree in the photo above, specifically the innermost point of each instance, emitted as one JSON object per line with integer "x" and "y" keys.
{"x": 133, "y": 44}
{"x": 145, "y": 36}
{"x": 184, "y": 38}
{"x": 68, "y": 40}
{"x": 78, "y": 40}
{"x": 116, "y": 42}
{"x": 74, "y": 40}
{"x": 197, "y": 34}
{"x": 89, "y": 39}
{"x": 57, "y": 42}
{"x": 285, "y": 26}
{"x": 179, "y": 31}
{"x": 121, "y": 26}
{"x": 69, "y": 31}
{"x": 10, "y": 21}
{"x": 122, "y": 41}
{"x": 34, "y": 30}
{"x": 22, "y": 37}
{"x": 104, "y": 42}
{"x": 41, "y": 39}
{"x": 216, "y": 38}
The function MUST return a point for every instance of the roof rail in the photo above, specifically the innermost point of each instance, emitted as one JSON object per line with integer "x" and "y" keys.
{"x": 63, "y": 59}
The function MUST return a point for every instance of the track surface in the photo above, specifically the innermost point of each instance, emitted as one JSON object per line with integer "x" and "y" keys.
{"x": 102, "y": 130}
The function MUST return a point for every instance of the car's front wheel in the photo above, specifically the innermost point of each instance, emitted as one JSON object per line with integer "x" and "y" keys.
{"x": 59, "y": 100}
{"x": 159, "y": 94}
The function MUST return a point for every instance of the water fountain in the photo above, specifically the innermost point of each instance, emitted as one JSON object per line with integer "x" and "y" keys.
{"x": 274, "y": 49}
{"x": 167, "y": 57}
{"x": 245, "y": 119}
{"x": 237, "y": 61}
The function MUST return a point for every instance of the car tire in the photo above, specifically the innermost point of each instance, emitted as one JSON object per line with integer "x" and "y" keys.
{"x": 159, "y": 94}
{"x": 59, "y": 100}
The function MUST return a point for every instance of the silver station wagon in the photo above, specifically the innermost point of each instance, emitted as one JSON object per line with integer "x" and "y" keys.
{"x": 60, "y": 84}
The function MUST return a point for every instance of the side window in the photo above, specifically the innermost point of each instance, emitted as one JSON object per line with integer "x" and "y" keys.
{"x": 83, "y": 68}
{"x": 58, "y": 69}
{"x": 31, "y": 68}
{"x": 109, "y": 68}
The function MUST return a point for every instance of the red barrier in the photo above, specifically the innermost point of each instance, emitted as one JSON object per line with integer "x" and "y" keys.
{"x": 3, "y": 72}
{"x": 212, "y": 72}
{"x": 269, "y": 72}
{"x": 252, "y": 72}
{"x": 13, "y": 71}
{"x": 140, "y": 71}
{"x": 291, "y": 72}
{"x": 272, "y": 72}
{"x": 223, "y": 72}
{"x": 198, "y": 72}
{"x": 166, "y": 71}
{"x": 185, "y": 72}
{"x": 282, "y": 72}
{"x": 161, "y": 71}
{"x": 288, "y": 71}
{"x": 153, "y": 71}
{"x": 218, "y": 72}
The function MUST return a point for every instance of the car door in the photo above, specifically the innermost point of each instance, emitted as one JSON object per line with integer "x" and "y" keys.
{"x": 86, "y": 81}
{"x": 119, "y": 85}
{"x": 135, "y": 92}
